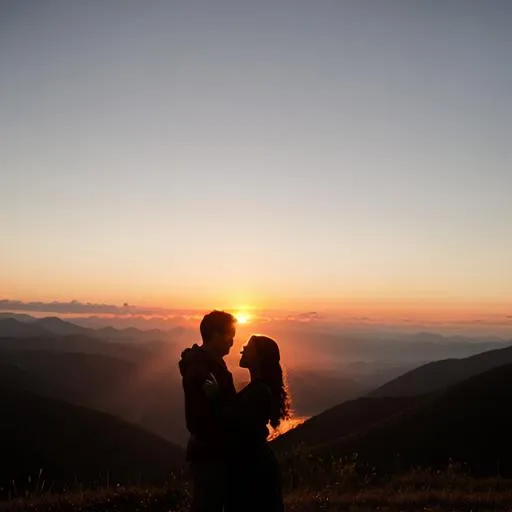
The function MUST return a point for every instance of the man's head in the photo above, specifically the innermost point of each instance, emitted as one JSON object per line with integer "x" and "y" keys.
{"x": 218, "y": 330}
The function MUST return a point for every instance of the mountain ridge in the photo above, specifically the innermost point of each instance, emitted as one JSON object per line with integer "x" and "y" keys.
{"x": 437, "y": 375}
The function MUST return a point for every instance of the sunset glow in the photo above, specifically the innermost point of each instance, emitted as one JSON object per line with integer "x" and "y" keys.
{"x": 243, "y": 317}
{"x": 241, "y": 188}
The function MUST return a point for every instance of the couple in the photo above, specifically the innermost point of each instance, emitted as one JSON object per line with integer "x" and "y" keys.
{"x": 232, "y": 467}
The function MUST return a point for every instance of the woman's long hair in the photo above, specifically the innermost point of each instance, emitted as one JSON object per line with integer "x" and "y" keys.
{"x": 272, "y": 374}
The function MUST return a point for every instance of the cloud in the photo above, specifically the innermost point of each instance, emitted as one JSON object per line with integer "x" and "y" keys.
{"x": 79, "y": 308}
{"x": 75, "y": 307}
{"x": 310, "y": 316}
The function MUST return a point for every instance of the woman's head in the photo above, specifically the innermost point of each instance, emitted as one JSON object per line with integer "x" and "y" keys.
{"x": 259, "y": 350}
{"x": 261, "y": 354}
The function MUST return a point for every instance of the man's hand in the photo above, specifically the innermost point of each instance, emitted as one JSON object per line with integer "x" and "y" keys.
{"x": 211, "y": 386}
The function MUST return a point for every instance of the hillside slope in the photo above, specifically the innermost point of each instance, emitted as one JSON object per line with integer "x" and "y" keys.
{"x": 342, "y": 420}
{"x": 440, "y": 374}
{"x": 70, "y": 443}
{"x": 147, "y": 394}
{"x": 470, "y": 422}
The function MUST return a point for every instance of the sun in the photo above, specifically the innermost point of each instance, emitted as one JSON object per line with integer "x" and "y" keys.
{"x": 242, "y": 317}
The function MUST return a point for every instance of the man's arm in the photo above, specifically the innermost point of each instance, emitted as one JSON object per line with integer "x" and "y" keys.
{"x": 200, "y": 415}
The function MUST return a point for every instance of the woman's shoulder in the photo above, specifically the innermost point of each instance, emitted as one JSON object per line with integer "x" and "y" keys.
{"x": 256, "y": 388}
{"x": 257, "y": 398}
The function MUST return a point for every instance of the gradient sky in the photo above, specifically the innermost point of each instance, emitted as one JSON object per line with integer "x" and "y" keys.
{"x": 184, "y": 152}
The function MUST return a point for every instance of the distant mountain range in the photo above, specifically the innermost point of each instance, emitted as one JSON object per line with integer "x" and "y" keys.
{"x": 77, "y": 343}
{"x": 16, "y": 325}
{"x": 313, "y": 391}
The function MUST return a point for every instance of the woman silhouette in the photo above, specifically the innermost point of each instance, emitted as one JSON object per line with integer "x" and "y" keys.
{"x": 254, "y": 482}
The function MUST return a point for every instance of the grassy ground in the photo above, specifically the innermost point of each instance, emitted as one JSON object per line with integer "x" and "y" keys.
{"x": 342, "y": 489}
{"x": 160, "y": 500}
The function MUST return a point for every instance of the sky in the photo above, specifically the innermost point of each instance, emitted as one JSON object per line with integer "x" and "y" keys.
{"x": 256, "y": 154}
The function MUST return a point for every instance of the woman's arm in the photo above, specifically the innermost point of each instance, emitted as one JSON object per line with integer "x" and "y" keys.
{"x": 250, "y": 409}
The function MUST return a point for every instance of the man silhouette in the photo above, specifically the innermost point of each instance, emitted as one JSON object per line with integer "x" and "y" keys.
{"x": 206, "y": 449}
